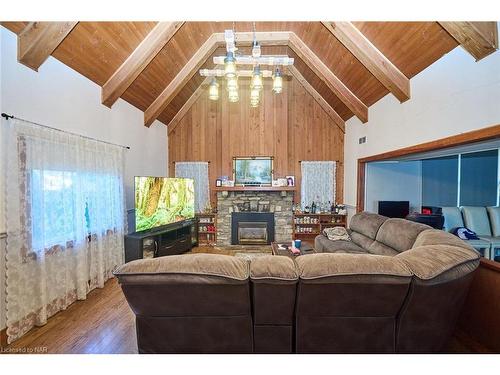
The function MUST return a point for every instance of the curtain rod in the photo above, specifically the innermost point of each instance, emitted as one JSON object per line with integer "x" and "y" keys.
{"x": 8, "y": 117}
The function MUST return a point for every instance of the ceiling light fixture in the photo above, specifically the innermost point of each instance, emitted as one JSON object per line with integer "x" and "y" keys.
{"x": 231, "y": 73}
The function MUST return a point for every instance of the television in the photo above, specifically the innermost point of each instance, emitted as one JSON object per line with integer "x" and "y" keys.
{"x": 160, "y": 201}
{"x": 399, "y": 209}
{"x": 253, "y": 171}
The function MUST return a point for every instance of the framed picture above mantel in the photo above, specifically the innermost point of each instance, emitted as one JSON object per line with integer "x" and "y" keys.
{"x": 253, "y": 171}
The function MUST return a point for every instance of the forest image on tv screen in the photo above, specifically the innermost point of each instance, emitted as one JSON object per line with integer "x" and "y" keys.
{"x": 160, "y": 201}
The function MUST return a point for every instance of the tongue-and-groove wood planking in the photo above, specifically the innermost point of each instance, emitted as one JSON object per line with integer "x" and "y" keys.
{"x": 97, "y": 49}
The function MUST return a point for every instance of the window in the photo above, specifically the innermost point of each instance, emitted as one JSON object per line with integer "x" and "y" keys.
{"x": 60, "y": 198}
{"x": 479, "y": 178}
{"x": 440, "y": 181}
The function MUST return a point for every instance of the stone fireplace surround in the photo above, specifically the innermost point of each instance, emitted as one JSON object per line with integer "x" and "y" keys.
{"x": 277, "y": 202}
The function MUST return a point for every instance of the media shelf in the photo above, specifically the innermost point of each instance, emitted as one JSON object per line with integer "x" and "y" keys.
{"x": 207, "y": 229}
{"x": 306, "y": 226}
{"x": 172, "y": 240}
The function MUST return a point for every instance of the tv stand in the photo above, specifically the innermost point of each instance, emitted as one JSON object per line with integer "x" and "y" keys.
{"x": 175, "y": 239}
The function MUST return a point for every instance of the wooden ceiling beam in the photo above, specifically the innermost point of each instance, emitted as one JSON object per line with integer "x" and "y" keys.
{"x": 198, "y": 59}
{"x": 180, "y": 80}
{"x": 331, "y": 80}
{"x": 374, "y": 60}
{"x": 133, "y": 66}
{"x": 339, "y": 121}
{"x": 480, "y": 39}
{"x": 39, "y": 39}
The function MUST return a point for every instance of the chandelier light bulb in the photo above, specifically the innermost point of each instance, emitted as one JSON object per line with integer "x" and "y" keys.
{"x": 256, "y": 82}
{"x": 230, "y": 66}
{"x": 254, "y": 94}
{"x": 232, "y": 83}
{"x": 233, "y": 95}
{"x": 277, "y": 82}
{"x": 213, "y": 90}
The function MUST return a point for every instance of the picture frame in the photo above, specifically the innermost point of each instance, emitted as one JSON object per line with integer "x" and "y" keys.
{"x": 290, "y": 180}
{"x": 253, "y": 170}
{"x": 218, "y": 182}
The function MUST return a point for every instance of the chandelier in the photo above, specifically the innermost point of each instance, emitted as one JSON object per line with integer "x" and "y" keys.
{"x": 227, "y": 68}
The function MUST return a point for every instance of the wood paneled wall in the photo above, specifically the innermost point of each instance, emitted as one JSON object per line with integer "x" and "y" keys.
{"x": 290, "y": 126}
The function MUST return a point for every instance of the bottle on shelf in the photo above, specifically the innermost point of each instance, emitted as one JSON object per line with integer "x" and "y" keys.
{"x": 313, "y": 208}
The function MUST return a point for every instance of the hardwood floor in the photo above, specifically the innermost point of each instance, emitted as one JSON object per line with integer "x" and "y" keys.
{"x": 104, "y": 324}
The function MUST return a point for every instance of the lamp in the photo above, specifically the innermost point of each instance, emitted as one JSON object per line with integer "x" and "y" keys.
{"x": 277, "y": 82}
{"x": 230, "y": 65}
{"x": 213, "y": 90}
{"x": 256, "y": 82}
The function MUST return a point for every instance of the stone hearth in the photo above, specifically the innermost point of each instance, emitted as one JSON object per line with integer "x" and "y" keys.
{"x": 278, "y": 202}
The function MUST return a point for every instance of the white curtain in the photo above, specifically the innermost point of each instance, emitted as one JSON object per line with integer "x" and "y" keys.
{"x": 65, "y": 220}
{"x": 198, "y": 171}
{"x": 318, "y": 182}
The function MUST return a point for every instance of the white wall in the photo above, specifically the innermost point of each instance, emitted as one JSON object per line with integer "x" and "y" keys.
{"x": 452, "y": 96}
{"x": 60, "y": 97}
{"x": 394, "y": 181}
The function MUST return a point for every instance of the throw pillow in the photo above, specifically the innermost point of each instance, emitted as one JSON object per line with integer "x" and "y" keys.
{"x": 465, "y": 233}
{"x": 336, "y": 233}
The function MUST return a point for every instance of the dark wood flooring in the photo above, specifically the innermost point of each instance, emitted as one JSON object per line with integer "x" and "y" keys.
{"x": 104, "y": 324}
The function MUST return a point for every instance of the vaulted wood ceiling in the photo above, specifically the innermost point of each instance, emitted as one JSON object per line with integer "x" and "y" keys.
{"x": 350, "y": 65}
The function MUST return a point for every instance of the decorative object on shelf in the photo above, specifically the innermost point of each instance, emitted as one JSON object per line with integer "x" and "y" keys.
{"x": 229, "y": 183}
{"x": 306, "y": 225}
{"x": 207, "y": 229}
{"x": 231, "y": 72}
{"x": 290, "y": 180}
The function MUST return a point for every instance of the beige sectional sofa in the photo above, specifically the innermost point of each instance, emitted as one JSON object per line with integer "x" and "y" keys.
{"x": 397, "y": 287}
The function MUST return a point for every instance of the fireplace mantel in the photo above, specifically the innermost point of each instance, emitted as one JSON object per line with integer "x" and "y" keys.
{"x": 255, "y": 188}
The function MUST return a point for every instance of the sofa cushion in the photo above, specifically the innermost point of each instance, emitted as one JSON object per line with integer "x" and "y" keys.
{"x": 476, "y": 219}
{"x": 494, "y": 215}
{"x": 430, "y": 261}
{"x": 367, "y": 223}
{"x": 207, "y": 268}
{"x": 320, "y": 266}
{"x": 324, "y": 245}
{"x": 400, "y": 234}
{"x": 379, "y": 248}
{"x": 273, "y": 268}
{"x": 361, "y": 240}
{"x": 452, "y": 218}
{"x": 439, "y": 237}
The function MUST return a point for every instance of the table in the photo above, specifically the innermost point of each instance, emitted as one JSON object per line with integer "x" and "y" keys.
{"x": 305, "y": 249}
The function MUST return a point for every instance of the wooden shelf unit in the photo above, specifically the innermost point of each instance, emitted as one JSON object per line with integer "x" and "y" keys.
{"x": 206, "y": 237}
{"x": 317, "y": 222}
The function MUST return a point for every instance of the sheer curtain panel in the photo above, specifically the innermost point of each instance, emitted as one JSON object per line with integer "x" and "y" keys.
{"x": 65, "y": 220}
{"x": 318, "y": 182}
{"x": 198, "y": 171}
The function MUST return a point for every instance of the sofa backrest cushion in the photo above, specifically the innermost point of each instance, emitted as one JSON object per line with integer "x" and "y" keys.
{"x": 378, "y": 248}
{"x": 452, "y": 218}
{"x": 476, "y": 219}
{"x": 191, "y": 285}
{"x": 361, "y": 240}
{"x": 439, "y": 237}
{"x": 494, "y": 215}
{"x": 273, "y": 269}
{"x": 327, "y": 267}
{"x": 432, "y": 262}
{"x": 400, "y": 234}
{"x": 209, "y": 268}
{"x": 351, "y": 285}
{"x": 367, "y": 224}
